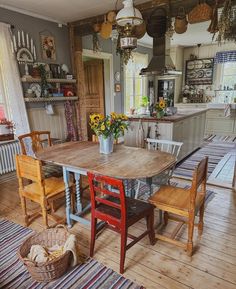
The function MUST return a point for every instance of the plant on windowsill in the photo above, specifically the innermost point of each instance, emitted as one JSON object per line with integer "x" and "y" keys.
{"x": 108, "y": 128}
{"x": 160, "y": 108}
{"x": 144, "y": 103}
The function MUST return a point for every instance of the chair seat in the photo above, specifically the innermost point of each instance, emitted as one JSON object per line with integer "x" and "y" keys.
{"x": 172, "y": 199}
{"x": 135, "y": 208}
{"x": 53, "y": 186}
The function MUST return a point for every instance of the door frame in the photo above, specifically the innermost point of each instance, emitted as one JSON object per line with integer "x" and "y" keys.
{"x": 109, "y": 57}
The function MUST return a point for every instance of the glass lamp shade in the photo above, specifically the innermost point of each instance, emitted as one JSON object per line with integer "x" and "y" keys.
{"x": 129, "y": 15}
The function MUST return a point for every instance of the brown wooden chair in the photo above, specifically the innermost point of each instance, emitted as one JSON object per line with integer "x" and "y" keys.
{"x": 109, "y": 204}
{"x": 41, "y": 190}
{"x": 34, "y": 141}
{"x": 185, "y": 203}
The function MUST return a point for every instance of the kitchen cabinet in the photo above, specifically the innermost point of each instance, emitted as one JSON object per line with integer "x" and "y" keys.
{"x": 188, "y": 129}
{"x": 217, "y": 123}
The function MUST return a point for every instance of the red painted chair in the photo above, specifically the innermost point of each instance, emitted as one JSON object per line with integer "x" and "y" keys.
{"x": 109, "y": 204}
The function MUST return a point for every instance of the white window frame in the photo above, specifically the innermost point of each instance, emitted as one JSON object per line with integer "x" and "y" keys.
{"x": 144, "y": 83}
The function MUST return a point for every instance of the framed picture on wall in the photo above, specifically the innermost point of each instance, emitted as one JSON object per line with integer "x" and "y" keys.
{"x": 117, "y": 87}
{"x": 48, "y": 47}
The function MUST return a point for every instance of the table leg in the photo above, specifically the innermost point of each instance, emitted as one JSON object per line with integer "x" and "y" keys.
{"x": 132, "y": 189}
{"x": 126, "y": 186}
{"x": 149, "y": 183}
{"x": 66, "y": 178}
{"x": 77, "y": 193}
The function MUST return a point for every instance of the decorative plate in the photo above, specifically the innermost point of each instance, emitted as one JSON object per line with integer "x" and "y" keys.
{"x": 36, "y": 88}
{"x": 192, "y": 74}
{"x": 198, "y": 64}
{"x": 207, "y": 63}
{"x": 190, "y": 65}
{"x": 208, "y": 73}
{"x": 200, "y": 73}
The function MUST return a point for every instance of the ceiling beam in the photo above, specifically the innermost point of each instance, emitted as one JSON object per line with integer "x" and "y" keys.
{"x": 84, "y": 26}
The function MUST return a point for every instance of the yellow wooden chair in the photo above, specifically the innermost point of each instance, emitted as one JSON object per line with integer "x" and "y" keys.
{"x": 41, "y": 190}
{"x": 185, "y": 203}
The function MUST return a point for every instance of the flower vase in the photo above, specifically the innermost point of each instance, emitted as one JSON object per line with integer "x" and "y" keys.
{"x": 106, "y": 144}
{"x": 160, "y": 113}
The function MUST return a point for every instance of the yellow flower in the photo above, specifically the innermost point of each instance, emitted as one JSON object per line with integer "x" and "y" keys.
{"x": 162, "y": 104}
{"x": 103, "y": 127}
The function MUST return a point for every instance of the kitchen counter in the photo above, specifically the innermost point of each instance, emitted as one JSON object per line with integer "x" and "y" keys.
{"x": 187, "y": 126}
{"x": 180, "y": 115}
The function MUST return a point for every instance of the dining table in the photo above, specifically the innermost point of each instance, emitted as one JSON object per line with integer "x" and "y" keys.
{"x": 125, "y": 163}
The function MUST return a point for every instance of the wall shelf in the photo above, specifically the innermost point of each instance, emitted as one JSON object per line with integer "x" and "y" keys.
{"x": 49, "y": 80}
{"x": 50, "y": 99}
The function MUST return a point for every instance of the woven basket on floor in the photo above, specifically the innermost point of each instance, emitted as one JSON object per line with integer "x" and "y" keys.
{"x": 53, "y": 269}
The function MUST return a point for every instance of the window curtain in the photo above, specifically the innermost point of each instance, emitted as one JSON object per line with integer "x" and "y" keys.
{"x": 221, "y": 58}
{"x": 11, "y": 82}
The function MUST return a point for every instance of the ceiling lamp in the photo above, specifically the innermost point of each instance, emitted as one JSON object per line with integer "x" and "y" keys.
{"x": 129, "y": 15}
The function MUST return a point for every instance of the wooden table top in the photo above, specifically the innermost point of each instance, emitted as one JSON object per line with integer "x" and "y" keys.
{"x": 124, "y": 163}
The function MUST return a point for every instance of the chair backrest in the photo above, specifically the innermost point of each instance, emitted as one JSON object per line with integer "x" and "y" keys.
{"x": 199, "y": 179}
{"x": 107, "y": 191}
{"x": 168, "y": 146}
{"x": 33, "y": 142}
{"x": 29, "y": 168}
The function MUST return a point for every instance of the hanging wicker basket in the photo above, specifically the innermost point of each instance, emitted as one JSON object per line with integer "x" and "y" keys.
{"x": 51, "y": 270}
{"x": 181, "y": 23}
{"x": 202, "y": 12}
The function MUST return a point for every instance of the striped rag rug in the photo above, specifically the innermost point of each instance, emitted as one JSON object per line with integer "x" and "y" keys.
{"x": 214, "y": 150}
{"x": 88, "y": 275}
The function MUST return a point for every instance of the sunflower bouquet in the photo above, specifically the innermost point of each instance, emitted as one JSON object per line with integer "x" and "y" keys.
{"x": 160, "y": 108}
{"x": 111, "y": 125}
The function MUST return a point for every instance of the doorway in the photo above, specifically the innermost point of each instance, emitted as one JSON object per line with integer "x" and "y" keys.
{"x": 99, "y": 83}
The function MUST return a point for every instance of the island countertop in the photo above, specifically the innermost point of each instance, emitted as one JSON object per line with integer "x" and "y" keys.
{"x": 180, "y": 115}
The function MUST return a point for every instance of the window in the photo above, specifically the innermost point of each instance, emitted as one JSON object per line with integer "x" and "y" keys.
{"x": 225, "y": 71}
{"x": 135, "y": 84}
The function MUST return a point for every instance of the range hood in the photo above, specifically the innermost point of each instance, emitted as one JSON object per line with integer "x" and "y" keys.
{"x": 161, "y": 62}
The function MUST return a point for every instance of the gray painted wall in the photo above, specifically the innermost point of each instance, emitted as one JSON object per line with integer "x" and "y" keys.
{"x": 33, "y": 26}
{"x": 109, "y": 46}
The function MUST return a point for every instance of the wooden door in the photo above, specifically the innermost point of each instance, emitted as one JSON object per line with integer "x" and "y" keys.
{"x": 94, "y": 90}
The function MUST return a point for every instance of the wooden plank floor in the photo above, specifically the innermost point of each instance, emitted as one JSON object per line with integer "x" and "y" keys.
{"x": 213, "y": 266}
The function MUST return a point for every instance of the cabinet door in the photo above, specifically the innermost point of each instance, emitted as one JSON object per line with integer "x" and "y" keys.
{"x": 223, "y": 126}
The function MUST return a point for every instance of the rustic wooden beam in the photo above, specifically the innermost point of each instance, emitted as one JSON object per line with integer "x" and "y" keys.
{"x": 84, "y": 26}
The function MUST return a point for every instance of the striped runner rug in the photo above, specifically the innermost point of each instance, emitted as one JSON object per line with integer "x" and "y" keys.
{"x": 217, "y": 138}
{"x": 214, "y": 150}
{"x": 88, "y": 275}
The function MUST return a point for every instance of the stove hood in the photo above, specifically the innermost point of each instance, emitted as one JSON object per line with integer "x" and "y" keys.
{"x": 161, "y": 62}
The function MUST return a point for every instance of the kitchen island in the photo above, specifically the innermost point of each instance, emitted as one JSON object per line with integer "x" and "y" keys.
{"x": 187, "y": 126}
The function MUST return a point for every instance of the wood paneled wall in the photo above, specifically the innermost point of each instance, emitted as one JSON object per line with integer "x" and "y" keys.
{"x": 56, "y": 123}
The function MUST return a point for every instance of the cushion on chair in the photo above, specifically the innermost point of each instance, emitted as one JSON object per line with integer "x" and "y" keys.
{"x": 135, "y": 208}
{"x": 174, "y": 198}
{"x": 53, "y": 186}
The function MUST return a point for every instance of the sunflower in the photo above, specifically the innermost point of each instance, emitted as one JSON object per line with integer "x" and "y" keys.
{"x": 162, "y": 104}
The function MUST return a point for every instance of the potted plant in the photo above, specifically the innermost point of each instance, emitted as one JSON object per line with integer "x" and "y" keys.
{"x": 144, "y": 104}
{"x": 108, "y": 128}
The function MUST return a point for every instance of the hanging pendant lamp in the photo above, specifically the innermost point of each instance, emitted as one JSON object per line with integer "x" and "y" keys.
{"x": 129, "y": 15}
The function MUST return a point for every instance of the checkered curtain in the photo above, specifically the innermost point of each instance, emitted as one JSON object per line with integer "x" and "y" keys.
{"x": 225, "y": 56}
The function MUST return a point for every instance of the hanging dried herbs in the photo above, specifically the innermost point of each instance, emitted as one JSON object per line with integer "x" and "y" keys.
{"x": 227, "y": 23}
{"x": 125, "y": 54}
{"x": 96, "y": 44}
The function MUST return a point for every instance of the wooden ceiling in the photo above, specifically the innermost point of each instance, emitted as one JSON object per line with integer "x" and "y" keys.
{"x": 84, "y": 26}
